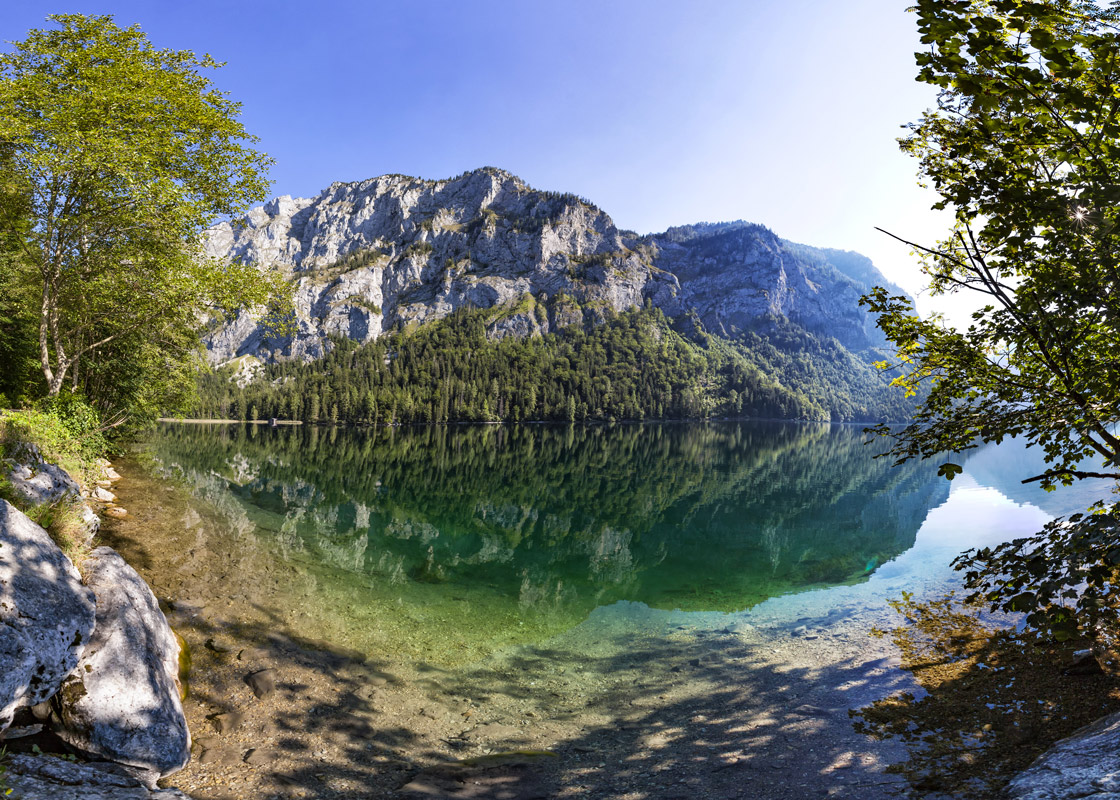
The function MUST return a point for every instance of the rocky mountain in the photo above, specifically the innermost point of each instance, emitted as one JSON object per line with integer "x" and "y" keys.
{"x": 396, "y": 251}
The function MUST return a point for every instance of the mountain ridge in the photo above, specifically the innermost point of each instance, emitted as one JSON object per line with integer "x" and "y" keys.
{"x": 393, "y": 252}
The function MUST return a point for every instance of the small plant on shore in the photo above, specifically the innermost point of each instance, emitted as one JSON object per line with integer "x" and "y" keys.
{"x": 66, "y": 431}
{"x": 62, "y": 519}
{"x": 5, "y": 790}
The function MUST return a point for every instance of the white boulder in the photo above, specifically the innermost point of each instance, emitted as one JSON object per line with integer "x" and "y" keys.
{"x": 46, "y": 614}
{"x": 122, "y": 703}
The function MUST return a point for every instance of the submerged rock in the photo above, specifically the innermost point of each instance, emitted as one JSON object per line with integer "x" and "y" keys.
{"x": 122, "y": 702}
{"x": 46, "y": 615}
{"x": 262, "y": 682}
{"x": 1086, "y": 764}
{"x": 516, "y": 775}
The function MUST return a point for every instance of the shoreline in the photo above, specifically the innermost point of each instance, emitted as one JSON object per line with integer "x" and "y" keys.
{"x": 230, "y": 421}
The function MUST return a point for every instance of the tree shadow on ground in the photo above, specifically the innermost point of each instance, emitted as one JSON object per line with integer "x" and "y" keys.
{"x": 995, "y": 698}
{"x": 630, "y": 714}
{"x": 711, "y": 718}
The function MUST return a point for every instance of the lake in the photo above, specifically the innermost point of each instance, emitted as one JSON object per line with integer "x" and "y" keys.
{"x": 682, "y": 567}
{"x": 510, "y": 533}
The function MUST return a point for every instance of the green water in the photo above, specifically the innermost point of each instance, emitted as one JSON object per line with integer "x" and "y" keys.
{"x": 476, "y": 530}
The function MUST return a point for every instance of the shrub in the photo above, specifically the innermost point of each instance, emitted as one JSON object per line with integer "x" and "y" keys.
{"x": 66, "y": 430}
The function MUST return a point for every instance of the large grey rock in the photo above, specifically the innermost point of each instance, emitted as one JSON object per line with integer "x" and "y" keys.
{"x": 36, "y": 482}
{"x": 46, "y": 614}
{"x": 49, "y": 778}
{"x": 367, "y": 257}
{"x": 1085, "y": 765}
{"x": 121, "y": 703}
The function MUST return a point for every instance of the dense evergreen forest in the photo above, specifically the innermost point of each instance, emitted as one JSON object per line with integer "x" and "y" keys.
{"x": 634, "y": 366}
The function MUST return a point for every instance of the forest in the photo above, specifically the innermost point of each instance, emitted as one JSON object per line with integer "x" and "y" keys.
{"x": 636, "y": 366}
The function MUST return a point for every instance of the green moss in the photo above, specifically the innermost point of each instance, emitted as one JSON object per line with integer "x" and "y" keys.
{"x": 525, "y": 304}
{"x": 355, "y": 259}
{"x": 361, "y": 302}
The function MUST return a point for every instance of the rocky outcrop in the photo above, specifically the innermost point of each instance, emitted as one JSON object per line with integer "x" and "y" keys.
{"x": 121, "y": 703}
{"x": 37, "y": 482}
{"x": 1086, "y": 765}
{"x": 46, "y": 614}
{"x": 48, "y": 778}
{"x": 366, "y": 257}
{"x": 392, "y": 251}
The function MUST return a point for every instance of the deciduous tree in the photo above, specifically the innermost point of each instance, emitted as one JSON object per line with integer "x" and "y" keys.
{"x": 1024, "y": 148}
{"x": 114, "y": 158}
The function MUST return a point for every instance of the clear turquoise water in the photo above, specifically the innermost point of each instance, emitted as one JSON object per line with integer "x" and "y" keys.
{"x": 483, "y": 536}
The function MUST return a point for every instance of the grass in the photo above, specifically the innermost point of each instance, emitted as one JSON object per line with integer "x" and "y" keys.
{"x": 62, "y": 520}
{"x": 5, "y": 790}
{"x": 58, "y": 445}
{"x": 77, "y": 453}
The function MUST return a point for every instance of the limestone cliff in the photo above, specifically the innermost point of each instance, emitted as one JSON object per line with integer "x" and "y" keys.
{"x": 396, "y": 251}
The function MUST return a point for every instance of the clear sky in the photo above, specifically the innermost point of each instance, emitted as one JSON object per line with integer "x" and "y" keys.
{"x": 662, "y": 112}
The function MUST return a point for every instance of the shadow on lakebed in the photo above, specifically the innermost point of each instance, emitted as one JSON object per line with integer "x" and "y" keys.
{"x": 623, "y": 707}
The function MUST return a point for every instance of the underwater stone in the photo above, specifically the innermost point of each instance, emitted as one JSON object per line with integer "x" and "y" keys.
{"x": 262, "y": 682}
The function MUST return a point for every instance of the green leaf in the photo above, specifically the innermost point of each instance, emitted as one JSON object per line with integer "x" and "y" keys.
{"x": 949, "y": 471}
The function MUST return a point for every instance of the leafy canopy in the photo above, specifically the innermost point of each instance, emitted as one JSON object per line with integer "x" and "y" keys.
{"x": 115, "y": 156}
{"x": 1024, "y": 148}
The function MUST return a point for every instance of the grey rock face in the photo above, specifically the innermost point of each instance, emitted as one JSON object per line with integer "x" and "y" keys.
{"x": 1086, "y": 764}
{"x": 367, "y": 257}
{"x": 738, "y": 275}
{"x": 389, "y": 251}
{"x": 121, "y": 703}
{"x": 49, "y": 778}
{"x": 46, "y": 614}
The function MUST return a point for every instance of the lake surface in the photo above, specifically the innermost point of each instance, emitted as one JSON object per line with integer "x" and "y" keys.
{"x": 474, "y": 538}
{"x": 669, "y": 610}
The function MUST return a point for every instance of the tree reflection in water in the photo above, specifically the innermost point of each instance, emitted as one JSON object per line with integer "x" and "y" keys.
{"x": 568, "y": 518}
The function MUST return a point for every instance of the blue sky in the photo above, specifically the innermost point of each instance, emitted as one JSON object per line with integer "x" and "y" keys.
{"x": 661, "y": 112}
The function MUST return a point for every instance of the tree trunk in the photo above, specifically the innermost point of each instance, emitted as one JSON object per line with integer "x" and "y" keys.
{"x": 48, "y": 331}
{"x": 44, "y": 331}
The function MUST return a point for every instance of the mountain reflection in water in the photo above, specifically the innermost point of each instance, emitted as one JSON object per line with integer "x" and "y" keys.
{"x": 700, "y": 517}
